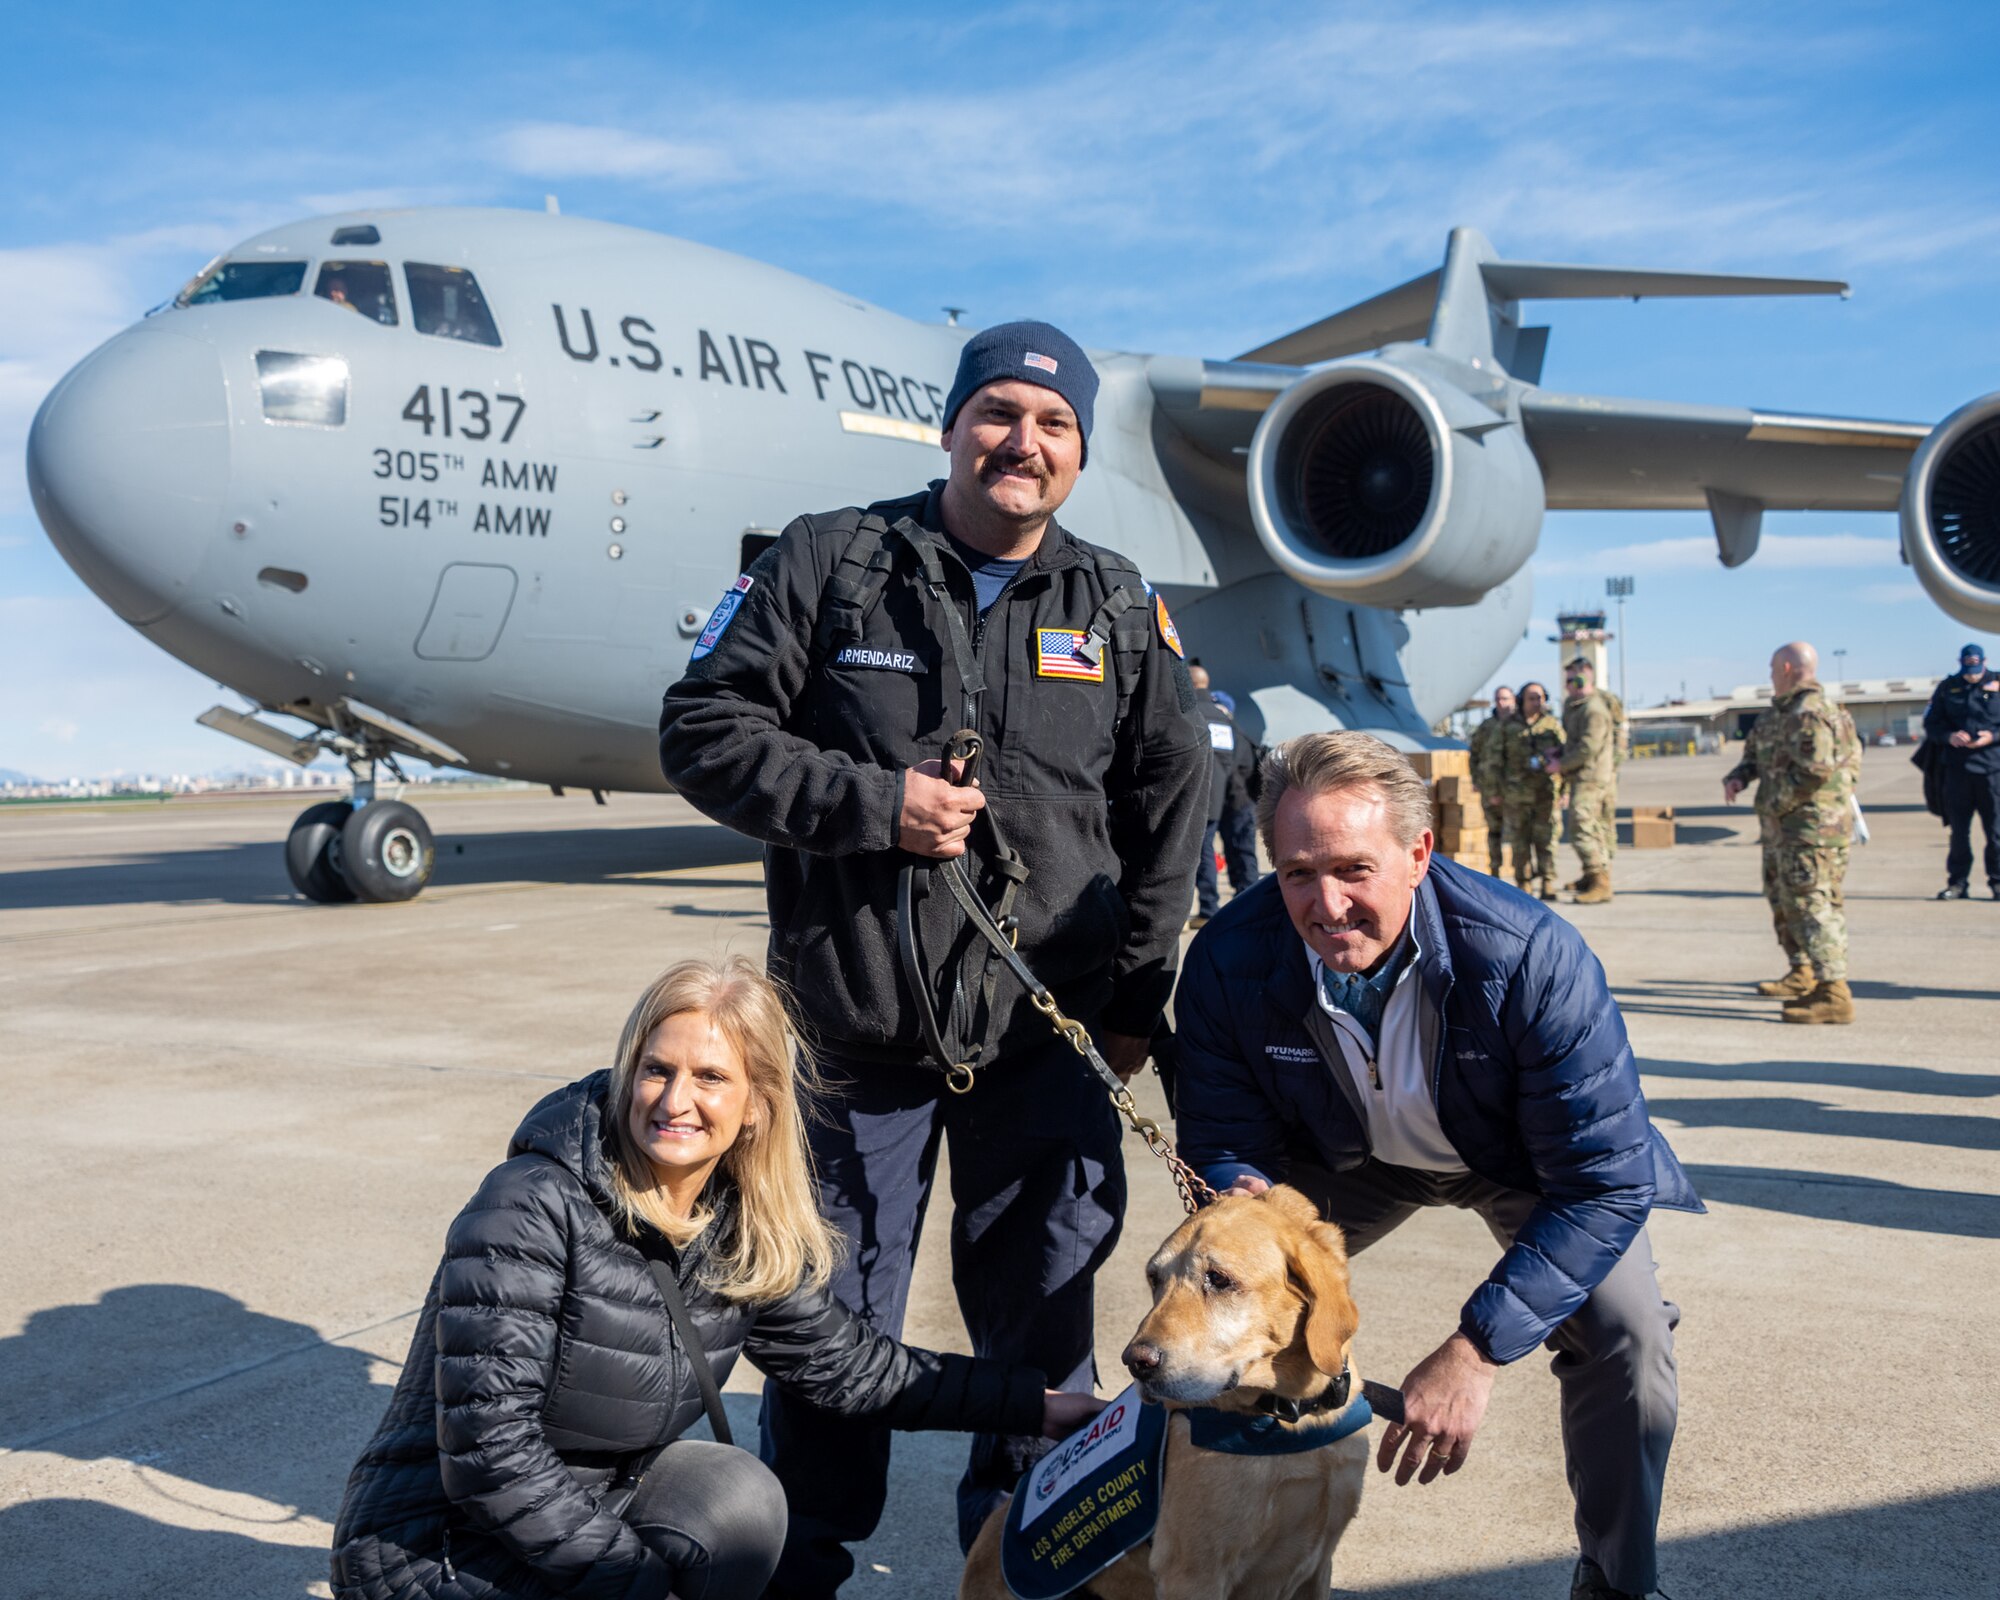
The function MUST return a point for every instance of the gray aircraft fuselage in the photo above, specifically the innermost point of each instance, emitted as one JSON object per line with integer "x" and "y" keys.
{"x": 512, "y": 547}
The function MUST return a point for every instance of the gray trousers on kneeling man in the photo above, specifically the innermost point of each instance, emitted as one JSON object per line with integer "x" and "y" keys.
{"x": 1614, "y": 1356}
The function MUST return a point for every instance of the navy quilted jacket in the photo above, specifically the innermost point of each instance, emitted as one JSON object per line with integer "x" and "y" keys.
{"x": 545, "y": 1362}
{"x": 1535, "y": 1083}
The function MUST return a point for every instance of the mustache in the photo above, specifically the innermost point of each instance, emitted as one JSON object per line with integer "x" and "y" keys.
{"x": 997, "y": 464}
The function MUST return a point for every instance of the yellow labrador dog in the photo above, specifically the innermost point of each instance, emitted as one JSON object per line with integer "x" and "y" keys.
{"x": 1252, "y": 1317}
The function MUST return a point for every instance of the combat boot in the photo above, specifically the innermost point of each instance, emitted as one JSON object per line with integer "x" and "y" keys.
{"x": 1549, "y": 889}
{"x": 1593, "y": 889}
{"x": 1799, "y": 981}
{"x": 1828, "y": 1002}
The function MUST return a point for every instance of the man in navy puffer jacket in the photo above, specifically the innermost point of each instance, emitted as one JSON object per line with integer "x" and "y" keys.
{"x": 1387, "y": 1031}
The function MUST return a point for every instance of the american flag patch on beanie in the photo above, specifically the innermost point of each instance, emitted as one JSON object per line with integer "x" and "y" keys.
{"x": 1046, "y": 363}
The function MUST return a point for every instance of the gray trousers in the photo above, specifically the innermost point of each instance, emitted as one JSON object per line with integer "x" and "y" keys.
{"x": 1614, "y": 1357}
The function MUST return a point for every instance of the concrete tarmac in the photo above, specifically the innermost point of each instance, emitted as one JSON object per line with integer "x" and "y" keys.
{"x": 237, "y": 1126}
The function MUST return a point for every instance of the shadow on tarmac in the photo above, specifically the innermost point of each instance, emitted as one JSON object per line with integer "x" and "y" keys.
{"x": 77, "y": 1380}
{"x": 1834, "y": 1074}
{"x": 1934, "y": 1546}
{"x": 254, "y": 874}
{"x": 79, "y": 1548}
{"x": 1823, "y": 1121}
{"x": 1698, "y": 992}
{"x": 121, "y": 1379}
{"x": 1869, "y": 1201}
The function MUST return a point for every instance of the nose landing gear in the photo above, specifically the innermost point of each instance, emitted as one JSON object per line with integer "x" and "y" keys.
{"x": 360, "y": 849}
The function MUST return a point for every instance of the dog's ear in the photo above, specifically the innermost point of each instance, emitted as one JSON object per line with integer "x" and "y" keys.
{"x": 1320, "y": 1265}
{"x": 1291, "y": 1204}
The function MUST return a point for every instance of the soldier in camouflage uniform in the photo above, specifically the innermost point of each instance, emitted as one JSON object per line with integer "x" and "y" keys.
{"x": 1530, "y": 758}
{"x": 1488, "y": 776}
{"x": 1804, "y": 756}
{"x": 1589, "y": 755}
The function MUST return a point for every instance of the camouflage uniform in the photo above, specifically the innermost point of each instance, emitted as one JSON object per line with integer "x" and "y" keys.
{"x": 1488, "y": 778}
{"x": 1804, "y": 756}
{"x": 1623, "y": 747}
{"x": 1529, "y": 752}
{"x": 1590, "y": 744}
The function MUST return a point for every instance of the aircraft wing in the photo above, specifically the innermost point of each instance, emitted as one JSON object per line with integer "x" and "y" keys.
{"x": 1600, "y": 454}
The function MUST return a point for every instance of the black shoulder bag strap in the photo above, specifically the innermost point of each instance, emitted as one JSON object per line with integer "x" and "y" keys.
{"x": 704, "y": 1373}
{"x": 618, "y": 1497}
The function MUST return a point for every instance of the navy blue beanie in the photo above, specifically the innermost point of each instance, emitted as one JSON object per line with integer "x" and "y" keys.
{"x": 1033, "y": 352}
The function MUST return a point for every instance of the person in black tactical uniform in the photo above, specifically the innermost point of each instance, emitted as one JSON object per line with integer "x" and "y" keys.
{"x": 1232, "y": 815}
{"x": 813, "y": 716}
{"x": 1964, "y": 721}
{"x": 650, "y": 1221}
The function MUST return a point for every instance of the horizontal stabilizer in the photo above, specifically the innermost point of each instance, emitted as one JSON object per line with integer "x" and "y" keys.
{"x": 1548, "y": 280}
{"x": 1446, "y": 307}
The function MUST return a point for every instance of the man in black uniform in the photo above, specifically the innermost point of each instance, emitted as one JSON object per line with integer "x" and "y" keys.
{"x": 1963, "y": 720}
{"x": 813, "y": 715}
{"x": 1229, "y": 803}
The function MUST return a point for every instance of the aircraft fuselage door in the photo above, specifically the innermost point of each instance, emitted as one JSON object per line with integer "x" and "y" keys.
{"x": 467, "y": 612}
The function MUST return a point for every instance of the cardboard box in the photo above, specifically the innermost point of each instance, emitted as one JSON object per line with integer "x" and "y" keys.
{"x": 1455, "y": 791}
{"x": 1451, "y": 818}
{"x": 1653, "y": 813}
{"x": 1442, "y": 763}
{"x": 1652, "y": 833}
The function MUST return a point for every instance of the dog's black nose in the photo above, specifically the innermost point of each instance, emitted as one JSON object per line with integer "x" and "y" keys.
{"x": 1142, "y": 1360}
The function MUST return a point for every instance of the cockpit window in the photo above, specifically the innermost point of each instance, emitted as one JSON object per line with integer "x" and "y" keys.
{"x": 446, "y": 302}
{"x": 364, "y": 233}
{"x": 302, "y": 388}
{"x": 244, "y": 280}
{"x": 363, "y": 286}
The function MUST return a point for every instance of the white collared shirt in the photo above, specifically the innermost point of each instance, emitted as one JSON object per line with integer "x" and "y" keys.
{"x": 1392, "y": 1080}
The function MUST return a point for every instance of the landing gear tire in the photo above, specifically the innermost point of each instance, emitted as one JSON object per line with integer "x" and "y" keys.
{"x": 312, "y": 850}
{"x": 386, "y": 851}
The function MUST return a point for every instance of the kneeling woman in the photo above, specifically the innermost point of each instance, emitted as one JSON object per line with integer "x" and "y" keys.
{"x": 547, "y": 1367}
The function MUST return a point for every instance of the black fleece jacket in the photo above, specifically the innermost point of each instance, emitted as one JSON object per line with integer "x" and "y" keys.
{"x": 545, "y": 1362}
{"x": 805, "y": 748}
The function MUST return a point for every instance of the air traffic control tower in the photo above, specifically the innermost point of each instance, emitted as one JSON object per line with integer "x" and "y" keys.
{"x": 1582, "y": 633}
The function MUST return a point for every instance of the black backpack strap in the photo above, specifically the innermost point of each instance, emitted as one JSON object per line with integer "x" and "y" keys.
{"x": 1122, "y": 620}
{"x": 858, "y": 578}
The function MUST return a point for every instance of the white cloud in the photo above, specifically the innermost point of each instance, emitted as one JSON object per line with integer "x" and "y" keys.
{"x": 571, "y": 150}
{"x": 1696, "y": 553}
{"x": 60, "y": 729}
{"x": 1891, "y": 594}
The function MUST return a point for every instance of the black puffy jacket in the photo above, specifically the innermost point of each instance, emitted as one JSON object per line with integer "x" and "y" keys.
{"x": 545, "y": 1361}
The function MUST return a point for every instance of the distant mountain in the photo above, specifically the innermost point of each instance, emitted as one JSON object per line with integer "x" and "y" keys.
{"x": 9, "y": 775}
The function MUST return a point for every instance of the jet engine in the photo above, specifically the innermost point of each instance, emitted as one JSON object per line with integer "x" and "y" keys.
{"x": 1951, "y": 513}
{"x": 1376, "y": 485}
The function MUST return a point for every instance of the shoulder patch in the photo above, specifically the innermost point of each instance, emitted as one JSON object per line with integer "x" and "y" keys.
{"x": 1169, "y": 634}
{"x": 720, "y": 618}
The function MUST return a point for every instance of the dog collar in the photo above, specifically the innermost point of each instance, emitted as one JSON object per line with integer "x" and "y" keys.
{"x": 1281, "y": 1426}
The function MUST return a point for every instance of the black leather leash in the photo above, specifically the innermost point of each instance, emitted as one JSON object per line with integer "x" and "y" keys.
{"x": 966, "y": 747}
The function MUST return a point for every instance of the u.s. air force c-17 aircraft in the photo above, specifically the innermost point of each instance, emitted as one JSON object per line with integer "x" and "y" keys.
{"x": 464, "y": 485}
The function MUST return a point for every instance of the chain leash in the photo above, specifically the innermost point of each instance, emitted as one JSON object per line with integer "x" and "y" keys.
{"x": 1193, "y": 1189}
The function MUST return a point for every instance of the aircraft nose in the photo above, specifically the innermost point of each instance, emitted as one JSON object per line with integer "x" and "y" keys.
{"x": 128, "y": 462}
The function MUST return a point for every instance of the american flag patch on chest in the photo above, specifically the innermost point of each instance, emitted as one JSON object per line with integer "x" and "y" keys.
{"x": 1059, "y": 654}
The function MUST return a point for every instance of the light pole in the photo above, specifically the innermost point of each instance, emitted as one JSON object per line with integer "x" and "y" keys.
{"x": 1840, "y": 666}
{"x": 1620, "y": 589}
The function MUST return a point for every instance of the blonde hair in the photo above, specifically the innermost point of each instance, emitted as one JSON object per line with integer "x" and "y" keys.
{"x": 777, "y": 1239}
{"x": 1320, "y": 763}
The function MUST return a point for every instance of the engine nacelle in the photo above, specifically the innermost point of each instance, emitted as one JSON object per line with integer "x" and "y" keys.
{"x": 1374, "y": 485}
{"x": 1951, "y": 513}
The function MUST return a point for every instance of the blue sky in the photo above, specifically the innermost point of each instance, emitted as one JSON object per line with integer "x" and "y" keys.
{"x": 1198, "y": 183}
